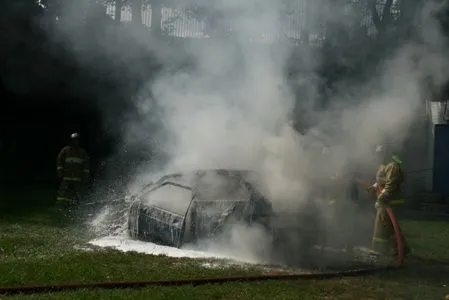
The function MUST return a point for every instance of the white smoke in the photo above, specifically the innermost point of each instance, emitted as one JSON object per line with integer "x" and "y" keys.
{"x": 230, "y": 102}
{"x": 230, "y": 108}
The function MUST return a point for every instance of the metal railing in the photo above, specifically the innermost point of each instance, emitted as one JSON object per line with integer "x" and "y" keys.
{"x": 181, "y": 22}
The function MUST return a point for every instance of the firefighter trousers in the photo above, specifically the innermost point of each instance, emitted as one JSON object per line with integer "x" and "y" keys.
{"x": 68, "y": 197}
{"x": 384, "y": 234}
{"x": 69, "y": 191}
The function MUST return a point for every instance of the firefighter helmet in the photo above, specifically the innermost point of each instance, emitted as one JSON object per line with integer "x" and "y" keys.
{"x": 380, "y": 148}
{"x": 74, "y": 136}
{"x": 388, "y": 150}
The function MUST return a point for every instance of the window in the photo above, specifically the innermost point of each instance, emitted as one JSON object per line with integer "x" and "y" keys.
{"x": 219, "y": 187}
{"x": 170, "y": 197}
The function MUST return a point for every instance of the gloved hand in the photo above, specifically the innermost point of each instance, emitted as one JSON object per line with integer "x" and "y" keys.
{"x": 371, "y": 189}
{"x": 383, "y": 197}
{"x": 381, "y": 201}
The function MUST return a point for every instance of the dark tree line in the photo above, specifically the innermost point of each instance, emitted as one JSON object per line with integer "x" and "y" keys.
{"x": 47, "y": 92}
{"x": 34, "y": 64}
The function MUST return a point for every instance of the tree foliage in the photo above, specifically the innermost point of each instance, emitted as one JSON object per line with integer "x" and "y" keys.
{"x": 27, "y": 50}
{"x": 42, "y": 70}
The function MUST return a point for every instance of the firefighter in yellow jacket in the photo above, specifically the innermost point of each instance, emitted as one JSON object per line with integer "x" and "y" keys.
{"x": 389, "y": 178}
{"x": 73, "y": 169}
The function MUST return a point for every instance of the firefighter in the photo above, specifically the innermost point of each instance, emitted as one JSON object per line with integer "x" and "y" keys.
{"x": 73, "y": 170}
{"x": 387, "y": 188}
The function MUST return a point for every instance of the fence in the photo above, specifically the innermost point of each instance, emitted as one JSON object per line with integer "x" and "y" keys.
{"x": 182, "y": 22}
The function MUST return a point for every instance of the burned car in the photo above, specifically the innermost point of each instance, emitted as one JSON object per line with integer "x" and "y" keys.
{"x": 184, "y": 208}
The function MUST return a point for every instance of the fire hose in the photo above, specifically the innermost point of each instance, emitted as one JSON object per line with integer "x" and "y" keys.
{"x": 397, "y": 230}
{"x": 398, "y": 262}
{"x": 194, "y": 282}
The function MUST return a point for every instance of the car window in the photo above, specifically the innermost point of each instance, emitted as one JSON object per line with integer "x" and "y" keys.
{"x": 170, "y": 197}
{"x": 219, "y": 187}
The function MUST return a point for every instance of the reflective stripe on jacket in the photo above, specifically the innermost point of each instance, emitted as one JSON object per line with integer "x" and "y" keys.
{"x": 73, "y": 163}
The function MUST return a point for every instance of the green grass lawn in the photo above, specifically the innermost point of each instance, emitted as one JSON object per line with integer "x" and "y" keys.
{"x": 35, "y": 251}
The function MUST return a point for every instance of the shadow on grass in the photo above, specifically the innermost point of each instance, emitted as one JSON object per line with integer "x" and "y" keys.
{"x": 417, "y": 271}
{"x": 422, "y": 216}
{"x": 28, "y": 204}
{"x": 421, "y": 271}
{"x": 16, "y": 200}
{"x": 41, "y": 217}
{"x": 414, "y": 259}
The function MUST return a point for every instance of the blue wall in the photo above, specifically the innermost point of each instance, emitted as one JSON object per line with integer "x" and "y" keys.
{"x": 441, "y": 160}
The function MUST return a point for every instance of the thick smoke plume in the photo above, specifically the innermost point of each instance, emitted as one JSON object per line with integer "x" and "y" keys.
{"x": 227, "y": 102}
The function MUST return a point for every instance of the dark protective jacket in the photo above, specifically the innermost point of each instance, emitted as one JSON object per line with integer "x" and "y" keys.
{"x": 73, "y": 164}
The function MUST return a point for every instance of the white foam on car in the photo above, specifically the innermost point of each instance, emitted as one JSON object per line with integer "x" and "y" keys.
{"x": 125, "y": 244}
{"x": 110, "y": 225}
